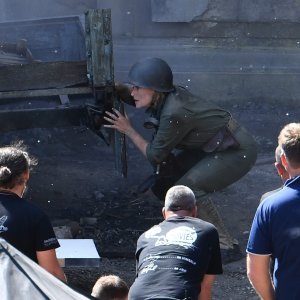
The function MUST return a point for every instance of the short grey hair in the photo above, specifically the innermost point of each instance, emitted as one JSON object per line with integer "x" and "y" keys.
{"x": 180, "y": 197}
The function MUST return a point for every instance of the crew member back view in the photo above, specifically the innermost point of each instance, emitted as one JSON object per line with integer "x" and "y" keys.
{"x": 23, "y": 224}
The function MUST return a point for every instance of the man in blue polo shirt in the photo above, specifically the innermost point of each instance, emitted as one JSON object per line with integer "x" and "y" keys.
{"x": 276, "y": 229}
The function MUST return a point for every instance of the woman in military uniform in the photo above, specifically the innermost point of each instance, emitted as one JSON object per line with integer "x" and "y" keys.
{"x": 196, "y": 143}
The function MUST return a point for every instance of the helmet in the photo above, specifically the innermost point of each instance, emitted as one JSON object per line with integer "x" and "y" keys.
{"x": 153, "y": 73}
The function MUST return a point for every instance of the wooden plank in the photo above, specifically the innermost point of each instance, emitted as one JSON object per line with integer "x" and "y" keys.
{"x": 10, "y": 47}
{"x": 45, "y": 92}
{"x": 99, "y": 47}
{"x": 42, "y": 118}
{"x": 11, "y": 59}
{"x": 42, "y": 75}
{"x": 20, "y": 48}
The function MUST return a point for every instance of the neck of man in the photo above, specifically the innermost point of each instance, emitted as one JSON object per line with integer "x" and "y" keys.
{"x": 178, "y": 213}
{"x": 18, "y": 190}
{"x": 293, "y": 171}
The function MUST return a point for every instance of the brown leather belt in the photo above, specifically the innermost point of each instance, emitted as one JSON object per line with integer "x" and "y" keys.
{"x": 232, "y": 125}
{"x": 224, "y": 138}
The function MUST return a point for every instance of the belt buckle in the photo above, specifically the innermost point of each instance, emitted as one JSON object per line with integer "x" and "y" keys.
{"x": 232, "y": 125}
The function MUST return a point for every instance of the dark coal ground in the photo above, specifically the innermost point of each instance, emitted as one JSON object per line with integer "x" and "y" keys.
{"x": 76, "y": 179}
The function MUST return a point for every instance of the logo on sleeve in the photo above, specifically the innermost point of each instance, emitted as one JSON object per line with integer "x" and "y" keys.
{"x": 2, "y": 221}
{"x": 50, "y": 242}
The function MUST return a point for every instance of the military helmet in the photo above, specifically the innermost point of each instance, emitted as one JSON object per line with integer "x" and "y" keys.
{"x": 153, "y": 73}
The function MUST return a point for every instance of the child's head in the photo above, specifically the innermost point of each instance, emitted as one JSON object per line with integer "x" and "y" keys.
{"x": 110, "y": 287}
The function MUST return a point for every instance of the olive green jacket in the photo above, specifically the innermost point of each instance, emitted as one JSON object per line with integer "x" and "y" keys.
{"x": 185, "y": 122}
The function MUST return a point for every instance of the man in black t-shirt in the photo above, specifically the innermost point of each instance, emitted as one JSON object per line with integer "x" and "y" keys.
{"x": 25, "y": 226}
{"x": 178, "y": 258}
{"x": 22, "y": 224}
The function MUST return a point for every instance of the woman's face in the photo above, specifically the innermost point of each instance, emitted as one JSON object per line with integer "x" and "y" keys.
{"x": 142, "y": 96}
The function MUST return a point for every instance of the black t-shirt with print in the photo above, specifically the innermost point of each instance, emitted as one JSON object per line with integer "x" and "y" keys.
{"x": 25, "y": 226}
{"x": 173, "y": 257}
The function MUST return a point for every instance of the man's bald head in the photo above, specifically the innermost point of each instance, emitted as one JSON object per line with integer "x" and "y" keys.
{"x": 180, "y": 197}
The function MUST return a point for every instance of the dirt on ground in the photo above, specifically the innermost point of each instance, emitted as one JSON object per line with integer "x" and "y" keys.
{"x": 76, "y": 180}
{"x": 237, "y": 205}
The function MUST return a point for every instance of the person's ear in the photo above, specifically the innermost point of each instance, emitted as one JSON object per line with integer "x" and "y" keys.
{"x": 164, "y": 212}
{"x": 284, "y": 161}
{"x": 26, "y": 175}
{"x": 195, "y": 212}
{"x": 280, "y": 168}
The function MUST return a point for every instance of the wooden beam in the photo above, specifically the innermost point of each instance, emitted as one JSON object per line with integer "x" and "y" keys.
{"x": 42, "y": 75}
{"x": 11, "y": 59}
{"x": 99, "y": 47}
{"x": 42, "y": 118}
{"x": 45, "y": 93}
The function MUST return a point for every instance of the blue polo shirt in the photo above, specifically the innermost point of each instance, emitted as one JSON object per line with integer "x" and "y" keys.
{"x": 276, "y": 231}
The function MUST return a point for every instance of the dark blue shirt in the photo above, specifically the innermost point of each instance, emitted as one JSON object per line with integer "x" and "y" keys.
{"x": 276, "y": 231}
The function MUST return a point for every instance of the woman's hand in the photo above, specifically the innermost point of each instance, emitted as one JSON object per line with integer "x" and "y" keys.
{"x": 118, "y": 122}
{"x": 122, "y": 124}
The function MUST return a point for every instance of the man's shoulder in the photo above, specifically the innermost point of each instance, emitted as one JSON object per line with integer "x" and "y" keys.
{"x": 196, "y": 223}
{"x": 279, "y": 197}
{"x": 207, "y": 227}
{"x": 177, "y": 221}
{"x": 199, "y": 222}
{"x": 32, "y": 209}
{"x": 21, "y": 204}
{"x": 270, "y": 193}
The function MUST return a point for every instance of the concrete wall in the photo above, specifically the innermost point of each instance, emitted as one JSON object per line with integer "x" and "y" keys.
{"x": 207, "y": 18}
{"x": 174, "y": 18}
{"x": 237, "y": 49}
{"x": 230, "y": 51}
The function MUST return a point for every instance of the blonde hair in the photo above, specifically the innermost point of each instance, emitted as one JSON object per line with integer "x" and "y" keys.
{"x": 157, "y": 98}
{"x": 289, "y": 141}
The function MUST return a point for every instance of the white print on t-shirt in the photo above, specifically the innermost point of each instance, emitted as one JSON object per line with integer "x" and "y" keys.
{"x": 156, "y": 257}
{"x": 2, "y": 221}
{"x": 152, "y": 232}
{"x": 182, "y": 236}
{"x": 150, "y": 267}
